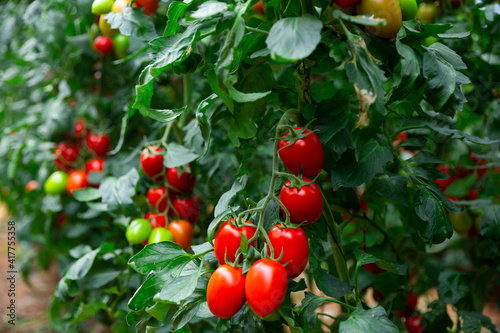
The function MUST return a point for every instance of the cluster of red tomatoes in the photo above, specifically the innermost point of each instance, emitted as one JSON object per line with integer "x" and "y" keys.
{"x": 173, "y": 199}
{"x": 111, "y": 40}
{"x": 264, "y": 285}
{"x": 68, "y": 158}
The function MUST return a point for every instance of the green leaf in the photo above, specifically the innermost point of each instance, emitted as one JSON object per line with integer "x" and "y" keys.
{"x": 156, "y": 257}
{"x": 118, "y": 193}
{"x": 359, "y": 19}
{"x": 429, "y": 209}
{"x": 98, "y": 279}
{"x": 452, "y": 286}
{"x": 180, "y": 288}
{"x": 176, "y": 10}
{"x": 363, "y": 258}
{"x": 374, "y": 320}
{"x": 85, "y": 311}
{"x": 442, "y": 80}
{"x": 209, "y": 8}
{"x": 185, "y": 313}
{"x": 159, "y": 311}
{"x": 437, "y": 319}
{"x": 241, "y": 97}
{"x": 81, "y": 267}
{"x": 294, "y": 38}
{"x": 178, "y": 155}
{"x": 490, "y": 222}
{"x": 409, "y": 71}
{"x": 87, "y": 194}
{"x": 132, "y": 22}
{"x": 394, "y": 188}
{"x": 425, "y": 157}
{"x": 351, "y": 172}
{"x": 473, "y": 322}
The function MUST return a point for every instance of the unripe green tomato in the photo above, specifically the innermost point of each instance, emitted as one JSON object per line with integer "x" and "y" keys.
{"x": 382, "y": 9}
{"x": 430, "y": 40}
{"x": 408, "y": 9}
{"x": 120, "y": 46}
{"x": 428, "y": 12}
{"x": 100, "y": 7}
{"x": 461, "y": 222}
{"x": 56, "y": 183}
{"x": 160, "y": 235}
{"x": 138, "y": 231}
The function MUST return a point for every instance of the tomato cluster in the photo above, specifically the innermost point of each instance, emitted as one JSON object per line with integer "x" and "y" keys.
{"x": 171, "y": 199}
{"x": 68, "y": 158}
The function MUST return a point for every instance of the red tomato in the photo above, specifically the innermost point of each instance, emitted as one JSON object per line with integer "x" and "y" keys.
{"x": 303, "y": 205}
{"x": 77, "y": 179}
{"x": 259, "y": 8}
{"x": 443, "y": 184}
{"x": 228, "y": 239}
{"x": 184, "y": 183}
{"x": 226, "y": 291}
{"x": 479, "y": 162}
{"x": 150, "y": 6}
{"x": 103, "y": 44}
{"x": 61, "y": 220}
{"x": 98, "y": 143}
{"x": 188, "y": 209}
{"x": 30, "y": 186}
{"x": 346, "y": 3}
{"x": 182, "y": 232}
{"x": 158, "y": 221}
{"x": 306, "y": 153}
{"x": 152, "y": 162}
{"x": 65, "y": 155}
{"x": 373, "y": 268}
{"x": 363, "y": 205}
{"x": 95, "y": 165}
{"x": 402, "y": 136}
{"x": 158, "y": 198}
{"x": 413, "y": 325}
{"x": 411, "y": 305}
{"x": 265, "y": 286}
{"x": 472, "y": 194}
{"x": 149, "y": 216}
{"x": 294, "y": 245}
{"x": 79, "y": 128}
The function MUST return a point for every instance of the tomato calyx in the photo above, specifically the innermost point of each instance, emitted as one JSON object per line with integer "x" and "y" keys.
{"x": 295, "y": 134}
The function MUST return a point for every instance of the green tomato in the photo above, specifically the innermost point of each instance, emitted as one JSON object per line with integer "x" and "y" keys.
{"x": 160, "y": 235}
{"x": 428, "y": 12}
{"x": 100, "y": 7}
{"x": 408, "y": 9}
{"x": 461, "y": 222}
{"x": 56, "y": 183}
{"x": 430, "y": 40}
{"x": 120, "y": 46}
{"x": 138, "y": 231}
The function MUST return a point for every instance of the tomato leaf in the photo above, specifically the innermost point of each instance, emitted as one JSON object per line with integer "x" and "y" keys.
{"x": 157, "y": 256}
{"x": 294, "y": 38}
{"x": 490, "y": 222}
{"x": 474, "y": 322}
{"x": 132, "y": 22}
{"x": 437, "y": 319}
{"x": 87, "y": 194}
{"x": 452, "y": 286}
{"x": 394, "y": 188}
{"x": 209, "y": 8}
{"x": 374, "y": 320}
{"x": 363, "y": 258}
{"x": 117, "y": 193}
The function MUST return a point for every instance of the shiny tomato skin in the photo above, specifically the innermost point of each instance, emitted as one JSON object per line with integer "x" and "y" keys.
{"x": 226, "y": 291}
{"x": 265, "y": 286}
{"x": 306, "y": 153}
{"x": 152, "y": 162}
{"x": 259, "y": 8}
{"x": 444, "y": 183}
{"x": 66, "y": 155}
{"x": 188, "y": 208}
{"x": 56, "y": 183}
{"x": 95, "y": 165}
{"x": 158, "y": 221}
{"x": 428, "y": 12}
{"x": 79, "y": 128}
{"x": 103, "y": 44}
{"x": 77, "y": 179}
{"x": 346, "y": 3}
{"x": 98, "y": 143}
{"x": 150, "y": 6}
{"x": 303, "y": 205}
{"x": 294, "y": 246}
{"x": 160, "y": 235}
{"x": 181, "y": 183}
{"x": 159, "y": 197}
{"x": 228, "y": 239}
{"x": 138, "y": 231}
{"x": 413, "y": 325}
{"x": 390, "y": 10}
{"x": 119, "y": 6}
{"x": 183, "y": 233}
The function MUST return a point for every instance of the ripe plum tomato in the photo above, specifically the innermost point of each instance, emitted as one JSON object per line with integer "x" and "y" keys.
{"x": 294, "y": 245}
{"x": 346, "y": 3}
{"x": 103, "y": 44}
{"x": 152, "y": 162}
{"x": 95, "y": 165}
{"x": 159, "y": 197}
{"x": 183, "y": 233}
{"x": 304, "y": 205}
{"x": 228, "y": 239}
{"x": 138, "y": 231}
{"x": 306, "y": 154}
{"x": 77, "y": 179}
{"x": 413, "y": 325}
{"x": 66, "y": 155}
{"x": 150, "y": 6}
{"x": 390, "y": 10}
{"x": 160, "y": 235}
{"x": 149, "y": 216}
{"x": 79, "y": 128}
{"x": 56, "y": 183}
{"x": 98, "y": 143}
{"x": 226, "y": 291}
{"x": 265, "y": 286}
{"x": 188, "y": 209}
{"x": 259, "y": 8}
{"x": 444, "y": 183}
{"x": 158, "y": 221}
{"x": 183, "y": 182}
